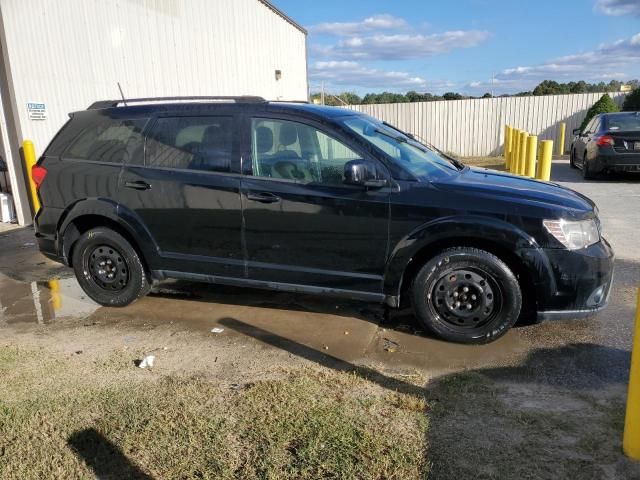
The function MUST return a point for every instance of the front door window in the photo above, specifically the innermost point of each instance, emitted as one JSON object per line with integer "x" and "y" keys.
{"x": 294, "y": 151}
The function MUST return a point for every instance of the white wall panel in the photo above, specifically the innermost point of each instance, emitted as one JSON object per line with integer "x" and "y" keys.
{"x": 70, "y": 53}
{"x": 476, "y": 127}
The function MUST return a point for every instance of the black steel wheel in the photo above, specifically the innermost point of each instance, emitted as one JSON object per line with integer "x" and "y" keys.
{"x": 108, "y": 268}
{"x": 466, "y": 295}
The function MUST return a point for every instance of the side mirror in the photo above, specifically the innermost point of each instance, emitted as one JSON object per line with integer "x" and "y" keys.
{"x": 363, "y": 173}
{"x": 576, "y": 131}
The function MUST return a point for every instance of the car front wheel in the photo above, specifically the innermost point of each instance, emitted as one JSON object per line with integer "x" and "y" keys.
{"x": 108, "y": 268}
{"x": 466, "y": 295}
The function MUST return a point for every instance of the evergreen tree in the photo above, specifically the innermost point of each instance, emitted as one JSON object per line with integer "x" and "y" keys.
{"x": 632, "y": 102}
{"x": 604, "y": 105}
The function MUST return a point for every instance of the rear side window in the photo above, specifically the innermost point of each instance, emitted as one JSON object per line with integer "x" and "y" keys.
{"x": 105, "y": 139}
{"x": 194, "y": 143}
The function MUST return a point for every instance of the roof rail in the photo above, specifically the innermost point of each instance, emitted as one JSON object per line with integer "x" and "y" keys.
{"x": 128, "y": 101}
{"x": 289, "y": 101}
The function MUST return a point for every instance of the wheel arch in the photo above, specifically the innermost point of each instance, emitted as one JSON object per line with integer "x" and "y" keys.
{"x": 518, "y": 250}
{"x": 91, "y": 213}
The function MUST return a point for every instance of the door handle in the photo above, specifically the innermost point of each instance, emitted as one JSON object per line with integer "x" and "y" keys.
{"x": 263, "y": 197}
{"x": 138, "y": 185}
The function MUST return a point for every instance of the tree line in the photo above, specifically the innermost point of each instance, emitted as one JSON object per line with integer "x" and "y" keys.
{"x": 547, "y": 87}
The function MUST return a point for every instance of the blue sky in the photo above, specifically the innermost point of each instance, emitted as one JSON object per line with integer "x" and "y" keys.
{"x": 461, "y": 45}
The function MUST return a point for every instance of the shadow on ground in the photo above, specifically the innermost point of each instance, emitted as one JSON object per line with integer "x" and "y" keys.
{"x": 563, "y": 172}
{"x": 556, "y": 415}
{"x": 106, "y": 459}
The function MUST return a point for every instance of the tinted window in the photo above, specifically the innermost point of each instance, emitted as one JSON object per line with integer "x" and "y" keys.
{"x": 624, "y": 123}
{"x": 295, "y": 151}
{"x": 195, "y": 143}
{"x": 103, "y": 139}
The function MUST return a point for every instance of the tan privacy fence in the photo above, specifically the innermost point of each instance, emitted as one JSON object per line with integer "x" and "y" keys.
{"x": 476, "y": 127}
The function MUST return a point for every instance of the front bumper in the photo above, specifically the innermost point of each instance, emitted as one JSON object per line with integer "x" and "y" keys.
{"x": 582, "y": 282}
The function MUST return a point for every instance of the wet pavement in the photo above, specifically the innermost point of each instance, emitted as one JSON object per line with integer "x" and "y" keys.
{"x": 36, "y": 295}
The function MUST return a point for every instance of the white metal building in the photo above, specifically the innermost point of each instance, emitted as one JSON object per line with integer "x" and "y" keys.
{"x": 61, "y": 56}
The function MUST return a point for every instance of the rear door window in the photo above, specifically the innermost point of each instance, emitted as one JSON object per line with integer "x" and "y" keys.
{"x": 109, "y": 140}
{"x": 192, "y": 143}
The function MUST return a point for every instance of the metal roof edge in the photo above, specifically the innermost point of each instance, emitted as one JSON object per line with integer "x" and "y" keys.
{"x": 286, "y": 17}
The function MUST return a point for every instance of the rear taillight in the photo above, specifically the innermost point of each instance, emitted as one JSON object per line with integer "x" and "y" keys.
{"x": 38, "y": 173}
{"x": 605, "y": 140}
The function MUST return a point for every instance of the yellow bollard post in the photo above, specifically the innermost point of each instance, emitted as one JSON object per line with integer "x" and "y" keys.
{"x": 522, "y": 161}
{"x": 532, "y": 150}
{"x": 56, "y": 299}
{"x": 546, "y": 152}
{"x": 515, "y": 148}
{"x": 563, "y": 131}
{"x": 29, "y": 153}
{"x": 507, "y": 146}
{"x": 631, "y": 437}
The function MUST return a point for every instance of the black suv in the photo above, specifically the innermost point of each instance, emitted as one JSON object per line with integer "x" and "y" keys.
{"x": 305, "y": 198}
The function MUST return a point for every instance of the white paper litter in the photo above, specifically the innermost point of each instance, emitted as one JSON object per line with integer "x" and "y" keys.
{"x": 217, "y": 330}
{"x": 147, "y": 362}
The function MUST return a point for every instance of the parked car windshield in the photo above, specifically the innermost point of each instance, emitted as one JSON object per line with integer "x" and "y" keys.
{"x": 624, "y": 123}
{"x": 421, "y": 161}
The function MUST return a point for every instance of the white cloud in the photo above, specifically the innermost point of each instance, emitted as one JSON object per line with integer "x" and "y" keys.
{"x": 353, "y": 74}
{"x": 369, "y": 24}
{"x": 618, "y": 7}
{"x": 401, "y": 46}
{"x": 619, "y": 60}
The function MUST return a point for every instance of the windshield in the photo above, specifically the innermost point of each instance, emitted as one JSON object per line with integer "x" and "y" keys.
{"x": 421, "y": 161}
{"x": 624, "y": 123}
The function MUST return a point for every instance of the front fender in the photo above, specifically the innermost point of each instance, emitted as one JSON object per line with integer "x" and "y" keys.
{"x": 467, "y": 230}
{"x": 114, "y": 212}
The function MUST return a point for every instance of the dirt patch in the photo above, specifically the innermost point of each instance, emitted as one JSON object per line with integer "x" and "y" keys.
{"x": 489, "y": 428}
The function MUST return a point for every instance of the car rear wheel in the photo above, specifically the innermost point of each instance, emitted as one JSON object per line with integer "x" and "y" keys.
{"x": 108, "y": 268}
{"x": 466, "y": 295}
{"x": 587, "y": 174}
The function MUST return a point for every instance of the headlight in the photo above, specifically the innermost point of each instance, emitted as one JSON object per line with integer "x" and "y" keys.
{"x": 574, "y": 235}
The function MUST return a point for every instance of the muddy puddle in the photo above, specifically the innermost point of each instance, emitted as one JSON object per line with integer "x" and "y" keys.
{"x": 42, "y": 302}
{"x": 326, "y": 331}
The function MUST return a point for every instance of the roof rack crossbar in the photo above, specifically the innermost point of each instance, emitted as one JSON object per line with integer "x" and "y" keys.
{"x": 236, "y": 99}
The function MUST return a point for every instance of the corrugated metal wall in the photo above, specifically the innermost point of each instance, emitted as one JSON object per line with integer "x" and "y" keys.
{"x": 69, "y": 53}
{"x": 476, "y": 127}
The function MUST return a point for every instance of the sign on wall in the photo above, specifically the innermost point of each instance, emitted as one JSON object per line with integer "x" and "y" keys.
{"x": 37, "y": 111}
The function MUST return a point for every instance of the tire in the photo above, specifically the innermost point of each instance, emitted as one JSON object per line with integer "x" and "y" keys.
{"x": 108, "y": 268}
{"x": 572, "y": 161}
{"x": 587, "y": 174}
{"x": 493, "y": 292}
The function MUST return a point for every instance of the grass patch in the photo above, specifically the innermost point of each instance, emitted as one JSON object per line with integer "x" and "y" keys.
{"x": 87, "y": 419}
{"x": 495, "y": 163}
